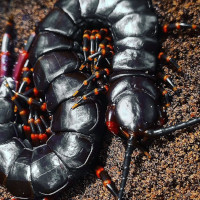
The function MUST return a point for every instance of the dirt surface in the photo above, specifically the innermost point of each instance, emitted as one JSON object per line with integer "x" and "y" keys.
{"x": 173, "y": 172}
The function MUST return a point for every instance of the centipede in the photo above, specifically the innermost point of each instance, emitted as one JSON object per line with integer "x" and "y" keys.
{"x": 89, "y": 67}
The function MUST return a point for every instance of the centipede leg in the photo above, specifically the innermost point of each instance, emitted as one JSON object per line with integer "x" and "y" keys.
{"x": 94, "y": 92}
{"x": 94, "y": 76}
{"x": 170, "y": 129}
{"x": 23, "y": 56}
{"x": 5, "y": 64}
{"x": 166, "y": 97}
{"x": 166, "y": 78}
{"x": 106, "y": 179}
{"x": 25, "y": 77}
{"x": 169, "y": 60}
{"x": 174, "y": 26}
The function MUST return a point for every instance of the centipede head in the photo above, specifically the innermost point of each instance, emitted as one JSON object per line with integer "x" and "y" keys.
{"x": 135, "y": 112}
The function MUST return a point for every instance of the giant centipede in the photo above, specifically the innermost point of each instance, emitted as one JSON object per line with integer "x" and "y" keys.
{"x": 54, "y": 102}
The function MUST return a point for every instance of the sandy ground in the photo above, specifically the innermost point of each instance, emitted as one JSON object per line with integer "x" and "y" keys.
{"x": 173, "y": 172}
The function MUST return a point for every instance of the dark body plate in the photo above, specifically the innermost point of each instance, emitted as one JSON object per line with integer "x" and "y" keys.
{"x": 53, "y": 64}
{"x": 20, "y": 176}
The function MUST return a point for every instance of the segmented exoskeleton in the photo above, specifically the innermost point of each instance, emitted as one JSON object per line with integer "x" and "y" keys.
{"x": 133, "y": 97}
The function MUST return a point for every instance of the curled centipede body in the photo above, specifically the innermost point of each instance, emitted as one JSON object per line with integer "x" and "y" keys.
{"x": 39, "y": 161}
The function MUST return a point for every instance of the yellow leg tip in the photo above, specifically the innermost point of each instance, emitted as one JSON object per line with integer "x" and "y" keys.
{"x": 82, "y": 66}
{"x": 15, "y": 109}
{"x": 74, "y": 106}
{"x": 75, "y": 93}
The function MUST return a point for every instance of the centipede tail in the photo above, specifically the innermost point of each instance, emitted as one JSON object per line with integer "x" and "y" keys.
{"x": 5, "y": 67}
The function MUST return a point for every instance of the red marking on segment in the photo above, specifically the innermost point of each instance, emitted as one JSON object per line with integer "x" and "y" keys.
{"x": 13, "y": 198}
{"x": 106, "y": 87}
{"x": 33, "y": 137}
{"x": 178, "y": 26}
{"x": 23, "y": 112}
{"x": 168, "y": 58}
{"x": 86, "y": 36}
{"x": 48, "y": 130}
{"x": 96, "y": 92}
{"x": 37, "y": 121}
{"x": 30, "y": 101}
{"x": 162, "y": 121}
{"x": 103, "y": 52}
{"x": 160, "y": 55}
{"x": 104, "y": 29}
{"x": 82, "y": 66}
{"x": 31, "y": 120}
{"x": 102, "y": 46}
{"x": 194, "y": 26}
{"x": 96, "y": 67}
{"x": 26, "y": 79}
{"x": 98, "y": 171}
{"x": 112, "y": 52}
{"x": 87, "y": 32}
{"x": 107, "y": 182}
{"x": 111, "y": 122}
{"x": 7, "y": 53}
{"x": 14, "y": 97}
{"x": 165, "y": 28}
{"x": 35, "y": 91}
{"x": 92, "y": 52}
{"x": 94, "y": 31}
{"x": 90, "y": 59}
{"x": 48, "y": 198}
{"x": 9, "y": 24}
{"x": 85, "y": 49}
{"x": 85, "y": 82}
{"x": 165, "y": 77}
{"x": 110, "y": 46}
{"x": 164, "y": 92}
{"x": 97, "y": 75}
{"x": 113, "y": 127}
{"x": 26, "y": 128}
{"x": 7, "y": 35}
{"x": 92, "y": 37}
{"x": 98, "y": 36}
{"x": 107, "y": 71}
{"x": 27, "y": 88}
{"x": 108, "y": 38}
{"x": 25, "y": 69}
{"x": 44, "y": 107}
{"x": 15, "y": 109}
{"x": 43, "y": 137}
{"x": 84, "y": 97}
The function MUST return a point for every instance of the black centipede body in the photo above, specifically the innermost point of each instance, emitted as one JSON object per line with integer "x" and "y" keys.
{"x": 74, "y": 116}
